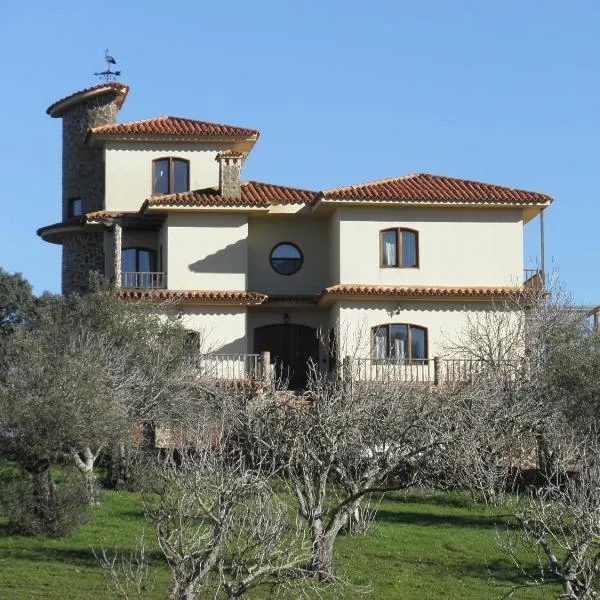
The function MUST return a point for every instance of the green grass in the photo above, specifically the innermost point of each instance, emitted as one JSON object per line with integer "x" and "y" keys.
{"x": 421, "y": 546}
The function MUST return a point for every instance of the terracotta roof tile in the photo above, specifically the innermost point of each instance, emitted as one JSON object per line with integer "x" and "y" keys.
{"x": 101, "y": 87}
{"x": 254, "y": 193}
{"x": 440, "y": 291}
{"x": 235, "y": 296}
{"x": 229, "y": 154}
{"x": 177, "y": 126}
{"x": 423, "y": 187}
{"x": 108, "y": 214}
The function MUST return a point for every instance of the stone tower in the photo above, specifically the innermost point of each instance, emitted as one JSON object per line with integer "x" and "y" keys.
{"x": 83, "y": 180}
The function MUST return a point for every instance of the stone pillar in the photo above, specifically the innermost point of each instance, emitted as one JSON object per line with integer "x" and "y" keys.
{"x": 117, "y": 244}
{"x": 265, "y": 366}
{"x": 230, "y": 165}
{"x": 436, "y": 370}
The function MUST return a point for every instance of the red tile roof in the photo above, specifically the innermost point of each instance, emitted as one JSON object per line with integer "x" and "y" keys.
{"x": 176, "y": 126}
{"x": 108, "y": 214}
{"x": 54, "y": 110}
{"x": 206, "y": 296}
{"x": 229, "y": 154}
{"x": 439, "y": 291}
{"x": 423, "y": 187}
{"x": 254, "y": 193}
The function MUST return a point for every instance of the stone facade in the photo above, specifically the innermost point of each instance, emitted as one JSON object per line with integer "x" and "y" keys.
{"x": 82, "y": 254}
{"x": 229, "y": 176}
{"x": 83, "y": 166}
{"x": 83, "y": 177}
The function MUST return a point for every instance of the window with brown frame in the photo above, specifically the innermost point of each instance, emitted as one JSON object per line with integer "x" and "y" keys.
{"x": 399, "y": 342}
{"x": 170, "y": 175}
{"x": 399, "y": 247}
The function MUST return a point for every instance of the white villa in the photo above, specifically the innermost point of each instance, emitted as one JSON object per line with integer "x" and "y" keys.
{"x": 386, "y": 270}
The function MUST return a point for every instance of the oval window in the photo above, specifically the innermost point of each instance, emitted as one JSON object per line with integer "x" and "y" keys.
{"x": 286, "y": 258}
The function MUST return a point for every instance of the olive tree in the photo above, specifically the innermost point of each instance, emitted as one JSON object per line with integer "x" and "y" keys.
{"x": 81, "y": 375}
{"x": 342, "y": 441}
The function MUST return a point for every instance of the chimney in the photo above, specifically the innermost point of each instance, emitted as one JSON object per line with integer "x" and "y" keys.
{"x": 230, "y": 164}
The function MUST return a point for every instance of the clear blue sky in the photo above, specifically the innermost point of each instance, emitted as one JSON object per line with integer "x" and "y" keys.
{"x": 343, "y": 91}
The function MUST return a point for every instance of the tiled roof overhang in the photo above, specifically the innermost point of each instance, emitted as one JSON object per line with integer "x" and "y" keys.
{"x": 57, "y": 231}
{"x": 231, "y": 297}
{"x": 424, "y": 188}
{"x": 390, "y": 292}
{"x": 175, "y": 128}
{"x": 254, "y": 194}
{"x": 58, "y": 108}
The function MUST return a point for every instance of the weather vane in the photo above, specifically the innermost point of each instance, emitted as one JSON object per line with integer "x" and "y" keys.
{"x": 109, "y": 74}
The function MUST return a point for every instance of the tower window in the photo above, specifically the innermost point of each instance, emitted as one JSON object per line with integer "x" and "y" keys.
{"x": 75, "y": 207}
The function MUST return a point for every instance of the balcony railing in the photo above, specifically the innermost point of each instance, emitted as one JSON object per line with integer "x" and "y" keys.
{"x": 233, "y": 367}
{"x": 434, "y": 371}
{"x": 144, "y": 280}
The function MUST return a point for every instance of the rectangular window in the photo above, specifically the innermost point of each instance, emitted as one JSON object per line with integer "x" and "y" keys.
{"x": 160, "y": 177}
{"x": 180, "y": 176}
{"x": 389, "y": 248}
{"x": 399, "y": 247}
{"x": 380, "y": 349}
{"x": 75, "y": 208}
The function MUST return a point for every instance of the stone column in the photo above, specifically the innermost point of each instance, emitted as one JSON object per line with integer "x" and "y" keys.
{"x": 230, "y": 164}
{"x": 117, "y": 243}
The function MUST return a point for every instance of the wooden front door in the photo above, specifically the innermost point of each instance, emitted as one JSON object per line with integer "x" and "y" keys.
{"x": 291, "y": 347}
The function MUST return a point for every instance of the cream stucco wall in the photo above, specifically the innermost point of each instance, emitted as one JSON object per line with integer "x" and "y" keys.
{"x": 129, "y": 169}
{"x": 206, "y": 251}
{"x": 222, "y": 329}
{"x": 457, "y": 246}
{"x": 309, "y": 233}
{"x": 444, "y": 321}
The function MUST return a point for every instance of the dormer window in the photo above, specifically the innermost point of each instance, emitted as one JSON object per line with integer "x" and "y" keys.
{"x": 170, "y": 175}
{"x": 75, "y": 207}
{"x": 399, "y": 247}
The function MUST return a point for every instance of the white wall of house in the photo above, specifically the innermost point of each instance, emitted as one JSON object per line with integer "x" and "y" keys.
{"x": 222, "y": 328}
{"x": 206, "y": 251}
{"x": 334, "y": 248}
{"x": 309, "y": 233}
{"x": 457, "y": 246}
{"x": 129, "y": 169}
{"x": 445, "y": 321}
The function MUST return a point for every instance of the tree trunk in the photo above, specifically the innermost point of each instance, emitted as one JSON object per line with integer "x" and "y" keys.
{"x": 86, "y": 466}
{"x": 321, "y": 562}
{"x": 44, "y": 495}
{"x": 188, "y": 589}
{"x": 119, "y": 467}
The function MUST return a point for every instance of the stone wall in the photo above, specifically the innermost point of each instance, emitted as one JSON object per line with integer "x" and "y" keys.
{"x": 82, "y": 254}
{"x": 83, "y": 177}
{"x": 83, "y": 166}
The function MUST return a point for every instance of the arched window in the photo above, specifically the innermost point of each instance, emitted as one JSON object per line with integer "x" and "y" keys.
{"x": 138, "y": 268}
{"x": 170, "y": 175}
{"x": 399, "y": 247}
{"x": 400, "y": 341}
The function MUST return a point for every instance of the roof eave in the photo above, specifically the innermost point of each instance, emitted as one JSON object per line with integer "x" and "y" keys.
{"x": 99, "y": 138}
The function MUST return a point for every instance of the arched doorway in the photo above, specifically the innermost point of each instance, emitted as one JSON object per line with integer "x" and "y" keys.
{"x": 291, "y": 347}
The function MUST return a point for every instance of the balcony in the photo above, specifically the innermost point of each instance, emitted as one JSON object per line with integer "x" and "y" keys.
{"x": 144, "y": 280}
